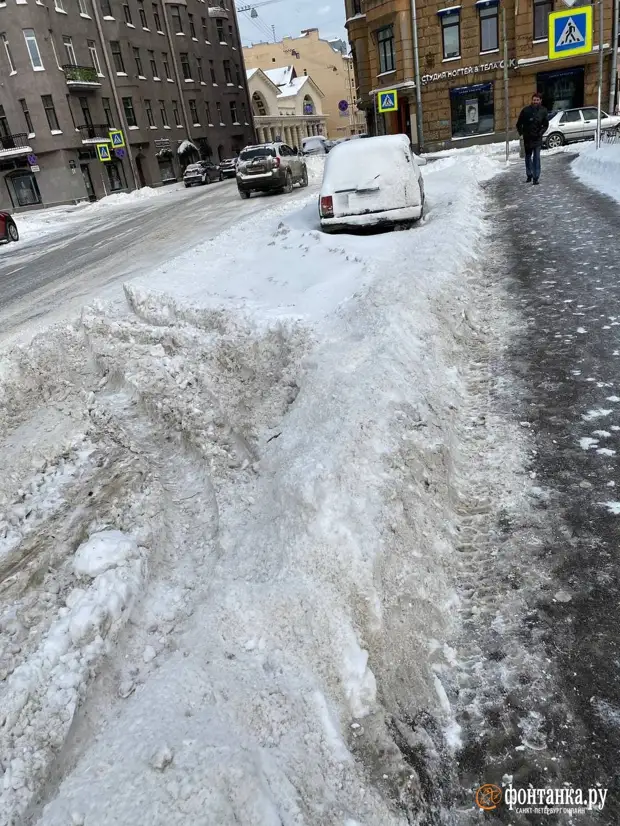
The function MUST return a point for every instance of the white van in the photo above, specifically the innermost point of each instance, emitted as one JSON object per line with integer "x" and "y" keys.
{"x": 371, "y": 182}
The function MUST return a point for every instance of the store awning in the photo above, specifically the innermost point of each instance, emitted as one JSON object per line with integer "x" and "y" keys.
{"x": 484, "y": 3}
{"x": 449, "y": 11}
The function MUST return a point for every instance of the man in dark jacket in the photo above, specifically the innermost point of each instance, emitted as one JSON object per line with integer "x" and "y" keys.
{"x": 532, "y": 125}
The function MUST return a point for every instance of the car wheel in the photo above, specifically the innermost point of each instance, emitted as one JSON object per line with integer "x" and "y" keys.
{"x": 244, "y": 195}
{"x": 221, "y": 178}
{"x": 187, "y": 186}
{"x": 555, "y": 140}
{"x": 304, "y": 177}
{"x": 12, "y": 232}
{"x": 288, "y": 186}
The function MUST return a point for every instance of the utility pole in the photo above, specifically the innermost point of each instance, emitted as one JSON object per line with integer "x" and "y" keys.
{"x": 416, "y": 67}
{"x": 506, "y": 95}
{"x": 600, "y": 72}
{"x": 614, "y": 60}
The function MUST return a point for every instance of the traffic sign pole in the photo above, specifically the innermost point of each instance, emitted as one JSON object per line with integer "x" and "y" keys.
{"x": 600, "y": 72}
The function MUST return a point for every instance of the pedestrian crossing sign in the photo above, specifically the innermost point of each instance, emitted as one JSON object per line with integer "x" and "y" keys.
{"x": 117, "y": 138}
{"x": 570, "y": 32}
{"x": 388, "y": 101}
{"x": 103, "y": 151}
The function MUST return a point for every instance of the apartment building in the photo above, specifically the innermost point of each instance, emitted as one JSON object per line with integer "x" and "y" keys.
{"x": 329, "y": 66}
{"x": 170, "y": 76}
{"x": 461, "y": 51}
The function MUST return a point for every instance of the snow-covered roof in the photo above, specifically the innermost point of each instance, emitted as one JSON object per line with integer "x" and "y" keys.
{"x": 281, "y": 76}
{"x": 294, "y": 87}
{"x": 250, "y": 73}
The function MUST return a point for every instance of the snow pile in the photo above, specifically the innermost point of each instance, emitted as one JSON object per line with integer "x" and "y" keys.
{"x": 315, "y": 165}
{"x": 273, "y": 469}
{"x": 600, "y": 168}
{"x": 145, "y": 193}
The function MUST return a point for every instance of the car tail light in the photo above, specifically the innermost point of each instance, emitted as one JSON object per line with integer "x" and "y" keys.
{"x": 327, "y": 206}
{"x": 277, "y": 162}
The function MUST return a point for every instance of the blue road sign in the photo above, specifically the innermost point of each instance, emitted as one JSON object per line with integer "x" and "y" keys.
{"x": 32, "y": 160}
{"x": 388, "y": 101}
{"x": 570, "y": 32}
{"x": 120, "y": 153}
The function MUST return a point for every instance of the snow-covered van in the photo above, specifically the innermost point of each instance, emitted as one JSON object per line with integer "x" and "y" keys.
{"x": 374, "y": 182}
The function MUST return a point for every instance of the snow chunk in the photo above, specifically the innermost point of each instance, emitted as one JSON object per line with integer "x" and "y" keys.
{"x": 104, "y": 550}
{"x": 586, "y": 443}
{"x": 598, "y": 413}
{"x": 612, "y": 507}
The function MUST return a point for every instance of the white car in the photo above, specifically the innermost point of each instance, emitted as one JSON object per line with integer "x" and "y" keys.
{"x": 371, "y": 183}
{"x": 569, "y": 125}
{"x": 315, "y": 145}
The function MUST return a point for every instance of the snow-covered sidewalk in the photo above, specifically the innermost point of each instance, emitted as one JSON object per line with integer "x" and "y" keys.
{"x": 228, "y": 526}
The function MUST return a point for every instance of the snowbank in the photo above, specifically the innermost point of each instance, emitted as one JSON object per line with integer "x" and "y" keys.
{"x": 257, "y": 462}
{"x": 600, "y": 168}
{"x": 128, "y": 198}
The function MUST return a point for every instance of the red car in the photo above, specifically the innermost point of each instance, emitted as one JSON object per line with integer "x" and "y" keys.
{"x": 8, "y": 229}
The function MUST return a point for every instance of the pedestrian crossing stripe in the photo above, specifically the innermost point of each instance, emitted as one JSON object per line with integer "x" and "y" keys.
{"x": 388, "y": 101}
{"x": 103, "y": 151}
{"x": 570, "y": 32}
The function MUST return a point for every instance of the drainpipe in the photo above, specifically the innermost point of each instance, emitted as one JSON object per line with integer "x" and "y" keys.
{"x": 175, "y": 66}
{"x": 117, "y": 101}
{"x": 416, "y": 65}
{"x": 614, "y": 60}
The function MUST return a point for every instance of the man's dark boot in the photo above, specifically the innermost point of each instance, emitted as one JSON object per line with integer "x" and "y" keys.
{"x": 528, "y": 179}
{"x": 535, "y": 181}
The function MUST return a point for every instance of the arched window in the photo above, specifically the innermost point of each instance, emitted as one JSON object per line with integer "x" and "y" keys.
{"x": 259, "y": 107}
{"x": 309, "y": 106}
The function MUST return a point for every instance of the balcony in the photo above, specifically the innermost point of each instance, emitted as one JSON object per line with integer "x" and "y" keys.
{"x": 95, "y": 133}
{"x": 217, "y": 11}
{"x": 81, "y": 77}
{"x": 14, "y": 146}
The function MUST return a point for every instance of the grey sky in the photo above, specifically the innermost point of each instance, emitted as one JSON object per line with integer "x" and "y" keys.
{"x": 290, "y": 17}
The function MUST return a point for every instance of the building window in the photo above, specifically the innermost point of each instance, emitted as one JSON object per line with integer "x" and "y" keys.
{"x": 58, "y": 5}
{"x": 233, "y": 111}
{"x": 7, "y": 52}
{"x": 138, "y": 59}
{"x": 83, "y": 8}
{"x": 33, "y": 50}
{"x": 208, "y": 111}
{"x": 50, "y": 112}
{"x": 175, "y": 12}
{"x": 68, "y": 44}
{"x": 218, "y": 106}
{"x": 141, "y": 11}
{"x": 238, "y": 73}
{"x": 472, "y": 110}
{"x": 114, "y": 175}
{"x": 194, "y": 113}
{"x": 25, "y": 188}
{"x": 163, "y": 113}
{"x": 117, "y": 56}
{"x": 166, "y": 65}
{"x": 106, "y": 8}
{"x": 213, "y": 75}
{"x": 156, "y": 17}
{"x": 192, "y": 28}
{"x": 127, "y": 13}
{"x": 228, "y": 72}
{"x": 220, "y": 30}
{"x": 107, "y": 111}
{"x": 27, "y": 118}
{"x": 245, "y": 112}
{"x": 185, "y": 67}
{"x": 385, "y": 41}
{"x": 86, "y": 116}
{"x": 5, "y": 130}
{"x": 205, "y": 31}
{"x": 562, "y": 88}
{"x": 259, "y": 105}
{"x": 357, "y": 7}
{"x": 149, "y": 112}
{"x": 130, "y": 114}
{"x": 199, "y": 69}
{"x": 451, "y": 34}
{"x": 175, "y": 113}
{"x": 153, "y": 64}
{"x": 70, "y": 108}
{"x": 489, "y": 28}
{"x": 542, "y": 10}
{"x": 94, "y": 57}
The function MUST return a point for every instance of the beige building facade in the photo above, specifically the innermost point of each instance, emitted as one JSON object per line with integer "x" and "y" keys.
{"x": 329, "y": 66}
{"x": 285, "y": 107}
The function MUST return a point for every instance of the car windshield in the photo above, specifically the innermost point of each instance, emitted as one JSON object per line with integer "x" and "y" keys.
{"x": 259, "y": 152}
{"x": 193, "y": 167}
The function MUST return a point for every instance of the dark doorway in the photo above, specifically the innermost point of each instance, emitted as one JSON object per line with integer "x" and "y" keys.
{"x": 88, "y": 182}
{"x": 141, "y": 176}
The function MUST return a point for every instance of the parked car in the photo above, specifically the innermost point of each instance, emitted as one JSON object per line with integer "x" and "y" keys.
{"x": 228, "y": 167}
{"x": 203, "y": 172}
{"x": 270, "y": 167}
{"x": 569, "y": 125}
{"x": 8, "y": 228}
{"x": 371, "y": 183}
{"x": 315, "y": 145}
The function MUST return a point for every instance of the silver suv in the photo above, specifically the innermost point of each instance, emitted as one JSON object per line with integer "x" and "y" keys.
{"x": 270, "y": 167}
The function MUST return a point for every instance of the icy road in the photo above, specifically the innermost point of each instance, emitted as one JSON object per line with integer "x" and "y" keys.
{"x": 293, "y": 526}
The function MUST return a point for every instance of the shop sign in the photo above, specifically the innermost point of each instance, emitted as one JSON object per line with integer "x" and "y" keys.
{"x": 469, "y": 70}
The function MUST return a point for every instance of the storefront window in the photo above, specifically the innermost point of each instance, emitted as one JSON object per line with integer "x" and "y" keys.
{"x": 115, "y": 176}
{"x": 472, "y": 110}
{"x": 166, "y": 169}
{"x": 23, "y": 189}
{"x": 562, "y": 89}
